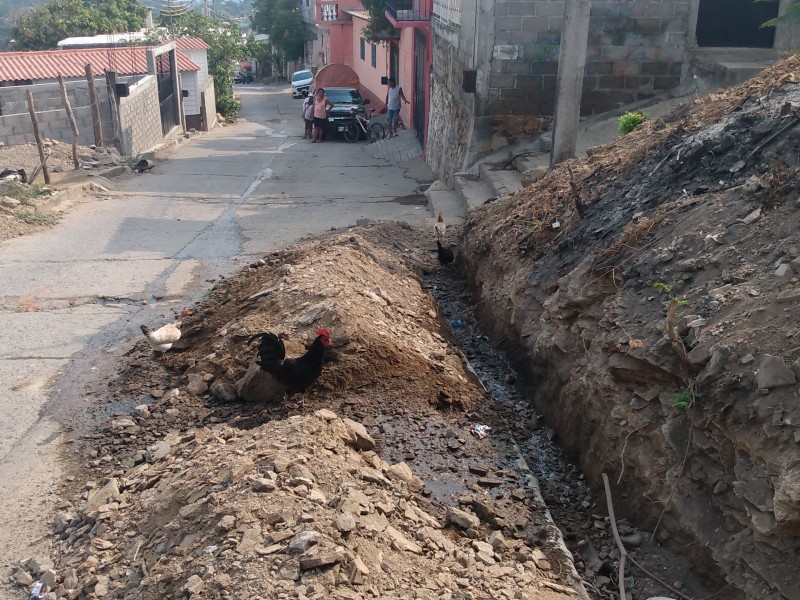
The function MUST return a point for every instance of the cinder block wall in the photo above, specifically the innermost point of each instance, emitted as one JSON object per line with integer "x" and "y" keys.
{"x": 15, "y": 121}
{"x": 140, "y": 117}
{"x": 636, "y": 50}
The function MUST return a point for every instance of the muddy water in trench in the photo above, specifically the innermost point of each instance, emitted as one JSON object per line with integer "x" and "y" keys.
{"x": 578, "y": 513}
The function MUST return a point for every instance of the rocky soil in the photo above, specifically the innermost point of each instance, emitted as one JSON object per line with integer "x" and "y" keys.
{"x": 26, "y": 208}
{"x": 372, "y": 487}
{"x": 649, "y": 293}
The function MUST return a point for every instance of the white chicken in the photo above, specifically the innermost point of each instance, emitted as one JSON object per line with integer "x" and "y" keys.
{"x": 440, "y": 227}
{"x": 162, "y": 338}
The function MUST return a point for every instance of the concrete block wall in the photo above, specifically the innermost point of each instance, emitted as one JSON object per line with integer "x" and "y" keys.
{"x": 15, "y": 122}
{"x": 140, "y": 117}
{"x": 636, "y": 50}
{"x": 209, "y": 109}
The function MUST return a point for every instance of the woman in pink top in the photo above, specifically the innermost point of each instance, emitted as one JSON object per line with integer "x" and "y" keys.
{"x": 322, "y": 106}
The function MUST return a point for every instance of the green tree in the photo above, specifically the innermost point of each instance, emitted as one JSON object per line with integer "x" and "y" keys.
{"x": 376, "y": 29}
{"x": 281, "y": 20}
{"x": 45, "y": 25}
{"x": 226, "y": 48}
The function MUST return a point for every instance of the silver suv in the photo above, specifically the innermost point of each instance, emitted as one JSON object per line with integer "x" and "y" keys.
{"x": 301, "y": 83}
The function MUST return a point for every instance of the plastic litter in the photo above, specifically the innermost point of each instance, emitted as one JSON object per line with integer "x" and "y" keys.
{"x": 38, "y": 591}
{"x": 458, "y": 323}
{"x": 480, "y": 431}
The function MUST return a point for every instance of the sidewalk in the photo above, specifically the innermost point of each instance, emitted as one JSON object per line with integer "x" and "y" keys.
{"x": 404, "y": 147}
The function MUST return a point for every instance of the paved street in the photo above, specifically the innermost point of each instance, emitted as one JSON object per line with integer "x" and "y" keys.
{"x": 72, "y": 299}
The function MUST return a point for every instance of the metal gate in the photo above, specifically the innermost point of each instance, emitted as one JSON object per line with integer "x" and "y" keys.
{"x": 735, "y": 23}
{"x": 166, "y": 91}
{"x": 420, "y": 54}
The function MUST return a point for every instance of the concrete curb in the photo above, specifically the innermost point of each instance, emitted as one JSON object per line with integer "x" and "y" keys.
{"x": 500, "y": 181}
{"x": 472, "y": 191}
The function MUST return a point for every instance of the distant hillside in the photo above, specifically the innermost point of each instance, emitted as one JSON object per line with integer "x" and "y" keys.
{"x": 11, "y": 8}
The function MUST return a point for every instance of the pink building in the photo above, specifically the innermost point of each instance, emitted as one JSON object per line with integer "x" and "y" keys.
{"x": 407, "y": 58}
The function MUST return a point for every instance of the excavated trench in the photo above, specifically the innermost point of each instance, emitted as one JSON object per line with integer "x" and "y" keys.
{"x": 518, "y": 430}
{"x": 517, "y": 477}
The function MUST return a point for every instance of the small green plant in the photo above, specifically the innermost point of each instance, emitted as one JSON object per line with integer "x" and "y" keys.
{"x": 34, "y": 217}
{"x": 25, "y": 193}
{"x": 631, "y": 120}
{"x": 660, "y": 285}
{"x": 682, "y": 400}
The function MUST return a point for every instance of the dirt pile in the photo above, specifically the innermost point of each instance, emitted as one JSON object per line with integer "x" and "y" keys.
{"x": 190, "y": 493}
{"x": 299, "y": 508}
{"x": 651, "y": 292}
{"x": 384, "y": 328}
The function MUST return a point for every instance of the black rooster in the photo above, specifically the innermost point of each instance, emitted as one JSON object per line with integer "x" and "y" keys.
{"x": 445, "y": 255}
{"x": 295, "y": 374}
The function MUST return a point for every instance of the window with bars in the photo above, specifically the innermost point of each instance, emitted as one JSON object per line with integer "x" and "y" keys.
{"x": 363, "y": 49}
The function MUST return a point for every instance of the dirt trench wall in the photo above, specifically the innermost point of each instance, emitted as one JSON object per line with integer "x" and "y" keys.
{"x": 578, "y": 310}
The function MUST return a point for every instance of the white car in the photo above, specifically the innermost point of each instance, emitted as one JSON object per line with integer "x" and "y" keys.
{"x": 301, "y": 83}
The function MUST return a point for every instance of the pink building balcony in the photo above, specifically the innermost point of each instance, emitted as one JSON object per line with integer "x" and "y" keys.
{"x": 408, "y": 13}
{"x": 327, "y": 12}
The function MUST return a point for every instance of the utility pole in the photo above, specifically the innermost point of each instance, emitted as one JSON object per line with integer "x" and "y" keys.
{"x": 571, "y": 64}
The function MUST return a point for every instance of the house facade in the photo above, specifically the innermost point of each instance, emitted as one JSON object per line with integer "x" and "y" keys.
{"x": 404, "y": 53}
{"x": 155, "y": 87}
{"x": 495, "y": 62}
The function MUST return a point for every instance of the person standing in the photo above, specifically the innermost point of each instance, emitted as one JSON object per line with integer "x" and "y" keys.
{"x": 394, "y": 96}
{"x": 308, "y": 116}
{"x": 322, "y": 107}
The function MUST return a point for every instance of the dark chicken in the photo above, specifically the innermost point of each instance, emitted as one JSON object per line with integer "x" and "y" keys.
{"x": 445, "y": 255}
{"x": 296, "y": 374}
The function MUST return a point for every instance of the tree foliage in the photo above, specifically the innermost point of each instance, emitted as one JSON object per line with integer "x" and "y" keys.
{"x": 379, "y": 26}
{"x": 790, "y": 15}
{"x": 45, "y": 25}
{"x": 281, "y": 20}
{"x": 227, "y": 47}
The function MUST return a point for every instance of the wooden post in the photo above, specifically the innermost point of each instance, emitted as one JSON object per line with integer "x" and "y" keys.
{"x": 98, "y": 125}
{"x": 111, "y": 85}
{"x": 71, "y": 117}
{"x": 38, "y": 137}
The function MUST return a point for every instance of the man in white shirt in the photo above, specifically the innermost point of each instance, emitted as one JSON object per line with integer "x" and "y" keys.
{"x": 394, "y": 95}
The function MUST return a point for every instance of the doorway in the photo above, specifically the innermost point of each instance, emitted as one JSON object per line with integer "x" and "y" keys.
{"x": 736, "y": 23}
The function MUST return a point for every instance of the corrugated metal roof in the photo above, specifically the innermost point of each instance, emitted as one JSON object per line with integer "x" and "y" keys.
{"x": 47, "y": 64}
{"x": 119, "y": 39}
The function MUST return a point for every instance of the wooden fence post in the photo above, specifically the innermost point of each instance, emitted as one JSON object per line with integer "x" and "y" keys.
{"x": 38, "y": 137}
{"x": 98, "y": 125}
{"x": 71, "y": 117}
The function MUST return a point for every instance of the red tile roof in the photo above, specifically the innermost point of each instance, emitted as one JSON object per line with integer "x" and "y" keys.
{"x": 47, "y": 64}
{"x": 188, "y": 43}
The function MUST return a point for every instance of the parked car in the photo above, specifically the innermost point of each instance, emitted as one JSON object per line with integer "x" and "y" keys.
{"x": 344, "y": 101}
{"x": 301, "y": 83}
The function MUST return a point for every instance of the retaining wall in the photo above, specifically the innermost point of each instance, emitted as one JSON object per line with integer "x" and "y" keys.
{"x": 15, "y": 121}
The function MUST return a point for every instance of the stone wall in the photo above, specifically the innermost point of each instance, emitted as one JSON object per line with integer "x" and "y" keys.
{"x": 451, "y": 110}
{"x": 15, "y": 121}
{"x": 140, "y": 117}
{"x": 636, "y": 50}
